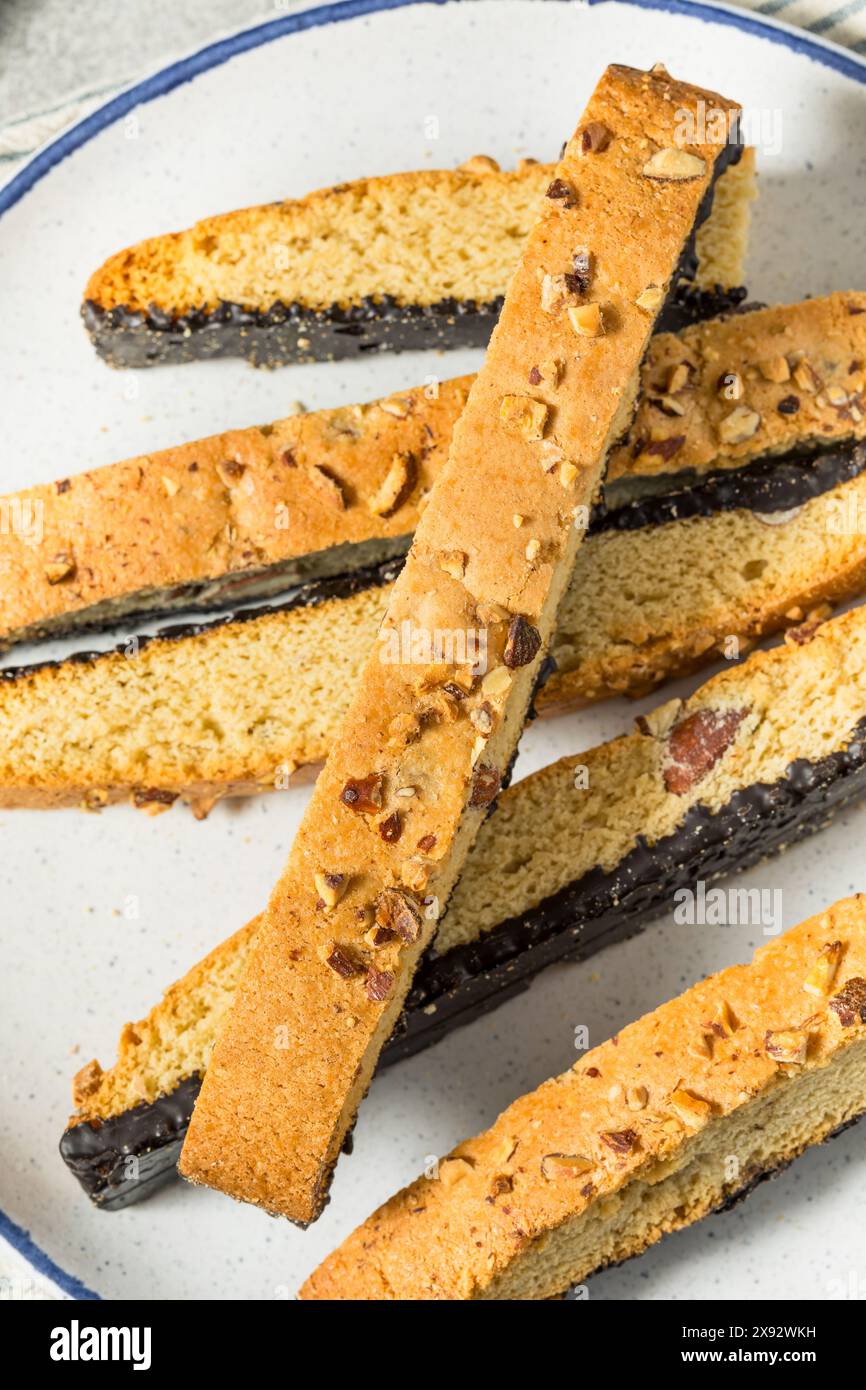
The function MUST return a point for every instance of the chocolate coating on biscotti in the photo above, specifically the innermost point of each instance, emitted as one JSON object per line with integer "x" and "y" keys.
{"x": 142, "y": 335}
{"x": 765, "y": 486}
{"x": 292, "y": 334}
{"x": 598, "y": 910}
{"x": 289, "y": 333}
{"x": 311, "y": 595}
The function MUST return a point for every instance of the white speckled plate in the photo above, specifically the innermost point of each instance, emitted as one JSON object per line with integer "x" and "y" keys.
{"x": 290, "y": 106}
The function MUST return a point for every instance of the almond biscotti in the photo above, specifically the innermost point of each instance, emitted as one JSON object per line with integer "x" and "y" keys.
{"x": 679, "y": 1115}
{"x": 576, "y": 856}
{"x": 662, "y": 586}
{"x": 244, "y": 514}
{"x": 411, "y": 260}
{"x": 432, "y": 729}
{"x": 227, "y": 519}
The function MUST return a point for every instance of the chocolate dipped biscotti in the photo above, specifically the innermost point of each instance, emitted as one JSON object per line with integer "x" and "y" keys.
{"x": 416, "y": 260}
{"x": 759, "y": 757}
{"x": 245, "y": 514}
{"x": 734, "y": 547}
{"x": 680, "y": 1114}
{"x": 428, "y": 739}
{"x": 245, "y": 704}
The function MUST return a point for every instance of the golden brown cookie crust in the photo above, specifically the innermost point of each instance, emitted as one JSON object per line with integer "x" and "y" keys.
{"x": 334, "y": 489}
{"x": 556, "y": 388}
{"x": 624, "y": 1114}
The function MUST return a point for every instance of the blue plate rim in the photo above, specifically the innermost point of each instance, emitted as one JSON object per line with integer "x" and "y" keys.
{"x": 824, "y": 51}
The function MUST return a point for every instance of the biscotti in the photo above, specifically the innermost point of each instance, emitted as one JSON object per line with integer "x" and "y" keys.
{"x": 243, "y": 515}
{"x": 576, "y": 856}
{"x": 679, "y": 1115}
{"x": 662, "y": 586}
{"x": 417, "y": 260}
{"x": 716, "y": 396}
{"x": 228, "y": 519}
{"x": 433, "y": 726}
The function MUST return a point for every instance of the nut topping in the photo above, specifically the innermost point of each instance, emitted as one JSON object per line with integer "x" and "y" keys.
{"x": 565, "y": 1166}
{"x": 621, "y": 1141}
{"x": 496, "y": 682}
{"x": 415, "y": 873}
{"x": 724, "y": 1023}
{"x": 547, "y": 373}
{"x": 152, "y": 800}
{"x": 341, "y": 962}
{"x": 453, "y": 562}
{"x": 399, "y": 912}
{"x": 669, "y": 405}
{"x": 820, "y": 978}
{"x": 379, "y": 936}
{"x": 557, "y": 291}
{"x": 452, "y": 1170}
{"x": 678, "y": 378}
{"x": 806, "y": 378}
{"x": 593, "y": 138}
{"x": 482, "y": 719}
{"x": 391, "y": 828}
{"x": 660, "y": 720}
{"x": 562, "y": 192}
{"x": 330, "y": 887}
{"x": 651, "y": 298}
{"x": 740, "y": 425}
{"x": 230, "y": 471}
{"x": 364, "y": 794}
{"x": 328, "y": 487}
{"x": 696, "y": 744}
{"x": 551, "y": 455}
{"x": 636, "y": 1097}
{"x": 581, "y": 270}
{"x": 691, "y": 1109}
{"x": 480, "y": 164}
{"x": 378, "y": 984}
{"x": 61, "y": 567}
{"x": 665, "y": 448}
{"x": 849, "y": 1005}
{"x": 486, "y": 783}
{"x": 587, "y": 320}
{"x": 395, "y": 486}
{"x": 533, "y": 549}
{"x": 787, "y": 1045}
{"x": 775, "y": 369}
{"x": 523, "y": 643}
{"x": 524, "y": 416}
{"x": 674, "y": 165}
